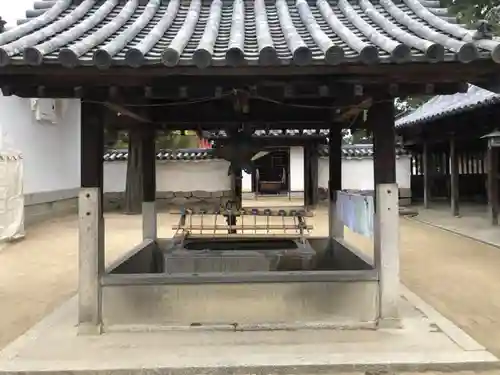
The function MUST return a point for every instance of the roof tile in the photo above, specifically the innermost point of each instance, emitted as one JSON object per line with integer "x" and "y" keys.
{"x": 358, "y": 151}
{"x": 273, "y": 133}
{"x": 201, "y": 33}
{"x": 446, "y": 105}
{"x": 195, "y": 154}
{"x": 180, "y": 154}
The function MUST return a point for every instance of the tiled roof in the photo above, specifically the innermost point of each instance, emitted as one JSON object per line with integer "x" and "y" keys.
{"x": 446, "y": 105}
{"x": 357, "y": 151}
{"x": 274, "y": 133}
{"x": 236, "y": 32}
{"x": 180, "y": 154}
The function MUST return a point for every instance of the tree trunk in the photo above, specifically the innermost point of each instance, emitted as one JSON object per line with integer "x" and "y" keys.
{"x": 133, "y": 187}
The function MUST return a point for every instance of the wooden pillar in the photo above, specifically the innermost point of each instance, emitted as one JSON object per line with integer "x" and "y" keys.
{"x": 314, "y": 166}
{"x": 336, "y": 226}
{"x": 133, "y": 185}
{"x": 236, "y": 196}
{"x": 492, "y": 164}
{"x": 148, "y": 161}
{"x": 91, "y": 221}
{"x": 237, "y": 187}
{"x": 386, "y": 221}
{"x": 307, "y": 176}
{"x": 310, "y": 175}
{"x": 454, "y": 179}
{"x": 426, "y": 173}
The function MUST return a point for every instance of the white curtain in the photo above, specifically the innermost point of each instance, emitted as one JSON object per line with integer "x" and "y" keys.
{"x": 356, "y": 212}
{"x": 11, "y": 193}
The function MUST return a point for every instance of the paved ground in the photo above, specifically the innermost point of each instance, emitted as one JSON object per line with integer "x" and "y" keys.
{"x": 458, "y": 276}
{"x": 473, "y": 221}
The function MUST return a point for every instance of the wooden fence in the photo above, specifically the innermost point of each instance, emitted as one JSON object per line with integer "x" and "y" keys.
{"x": 472, "y": 175}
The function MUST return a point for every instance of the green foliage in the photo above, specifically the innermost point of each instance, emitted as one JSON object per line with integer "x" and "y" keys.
{"x": 470, "y": 11}
{"x": 467, "y": 12}
{"x": 360, "y": 136}
{"x": 165, "y": 140}
{"x": 409, "y": 103}
{"x": 175, "y": 140}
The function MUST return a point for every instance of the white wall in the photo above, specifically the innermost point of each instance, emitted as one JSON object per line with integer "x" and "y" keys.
{"x": 357, "y": 174}
{"x": 185, "y": 176}
{"x": 296, "y": 169}
{"x": 51, "y": 152}
{"x": 246, "y": 182}
{"x": 211, "y": 175}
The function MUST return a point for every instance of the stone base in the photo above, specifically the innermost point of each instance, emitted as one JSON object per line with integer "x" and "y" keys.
{"x": 40, "y": 212}
{"x": 167, "y": 199}
{"x": 427, "y": 342}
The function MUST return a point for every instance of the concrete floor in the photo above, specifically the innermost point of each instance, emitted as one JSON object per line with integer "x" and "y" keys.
{"x": 473, "y": 221}
{"x": 39, "y": 273}
{"x": 425, "y": 341}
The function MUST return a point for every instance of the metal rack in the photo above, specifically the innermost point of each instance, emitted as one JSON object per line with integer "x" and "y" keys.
{"x": 250, "y": 222}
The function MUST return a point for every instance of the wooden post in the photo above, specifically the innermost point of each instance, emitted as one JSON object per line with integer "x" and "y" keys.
{"x": 388, "y": 266}
{"x": 492, "y": 164}
{"x": 454, "y": 179}
{"x": 386, "y": 221}
{"x": 148, "y": 161}
{"x": 236, "y": 197}
{"x": 133, "y": 186}
{"x": 426, "y": 170}
{"x": 336, "y": 226}
{"x": 307, "y": 176}
{"x": 91, "y": 221}
{"x": 313, "y": 162}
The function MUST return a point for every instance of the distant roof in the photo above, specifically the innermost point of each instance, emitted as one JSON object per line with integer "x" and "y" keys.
{"x": 228, "y": 33}
{"x": 323, "y": 133}
{"x": 446, "y": 105}
{"x": 358, "y": 151}
{"x": 180, "y": 154}
{"x": 193, "y": 154}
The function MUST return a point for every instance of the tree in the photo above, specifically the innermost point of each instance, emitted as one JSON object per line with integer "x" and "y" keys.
{"x": 174, "y": 140}
{"x": 471, "y": 11}
{"x": 408, "y": 104}
{"x": 132, "y": 140}
{"x": 361, "y": 136}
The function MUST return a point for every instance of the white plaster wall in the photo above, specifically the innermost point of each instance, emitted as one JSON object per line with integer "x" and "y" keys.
{"x": 246, "y": 182}
{"x": 357, "y": 174}
{"x": 51, "y": 152}
{"x": 185, "y": 176}
{"x": 296, "y": 169}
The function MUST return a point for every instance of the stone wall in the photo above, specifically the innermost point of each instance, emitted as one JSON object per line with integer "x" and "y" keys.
{"x": 173, "y": 199}
{"x": 42, "y": 206}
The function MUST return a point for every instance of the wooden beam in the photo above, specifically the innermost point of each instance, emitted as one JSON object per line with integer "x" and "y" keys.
{"x": 352, "y": 113}
{"x": 416, "y": 72}
{"x": 126, "y": 112}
